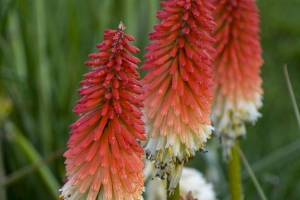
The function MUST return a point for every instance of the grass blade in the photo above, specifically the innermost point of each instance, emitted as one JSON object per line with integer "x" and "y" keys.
{"x": 252, "y": 175}
{"x": 288, "y": 82}
{"x": 33, "y": 156}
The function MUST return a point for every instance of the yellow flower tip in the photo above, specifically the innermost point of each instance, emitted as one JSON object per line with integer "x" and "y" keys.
{"x": 160, "y": 151}
{"x": 201, "y": 146}
{"x": 240, "y": 110}
{"x": 235, "y": 122}
{"x": 159, "y": 158}
{"x": 209, "y": 136}
{"x": 223, "y": 129}
{"x": 170, "y": 151}
{"x": 61, "y": 196}
{"x": 244, "y": 116}
{"x": 188, "y": 155}
{"x": 229, "y": 112}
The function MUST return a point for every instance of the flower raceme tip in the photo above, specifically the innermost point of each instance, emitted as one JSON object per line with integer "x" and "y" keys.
{"x": 177, "y": 87}
{"x": 237, "y": 62}
{"x": 104, "y": 158}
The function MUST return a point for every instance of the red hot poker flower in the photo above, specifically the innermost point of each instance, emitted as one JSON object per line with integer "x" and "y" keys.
{"x": 104, "y": 159}
{"x": 178, "y": 97}
{"x": 237, "y": 90}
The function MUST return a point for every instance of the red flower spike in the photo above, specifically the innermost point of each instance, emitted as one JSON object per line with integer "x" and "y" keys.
{"x": 178, "y": 97}
{"x": 103, "y": 148}
{"x": 237, "y": 89}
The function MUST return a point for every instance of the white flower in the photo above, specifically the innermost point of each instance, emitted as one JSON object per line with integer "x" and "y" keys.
{"x": 190, "y": 180}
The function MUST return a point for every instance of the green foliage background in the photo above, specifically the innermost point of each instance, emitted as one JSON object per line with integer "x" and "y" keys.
{"x": 43, "y": 45}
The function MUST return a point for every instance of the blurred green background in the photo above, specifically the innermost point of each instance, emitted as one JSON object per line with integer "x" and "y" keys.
{"x": 43, "y": 45}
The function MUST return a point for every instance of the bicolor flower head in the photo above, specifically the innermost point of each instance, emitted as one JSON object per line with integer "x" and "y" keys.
{"x": 104, "y": 158}
{"x": 237, "y": 62}
{"x": 178, "y": 97}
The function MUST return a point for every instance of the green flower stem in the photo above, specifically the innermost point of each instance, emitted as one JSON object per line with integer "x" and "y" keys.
{"x": 175, "y": 195}
{"x": 234, "y": 174}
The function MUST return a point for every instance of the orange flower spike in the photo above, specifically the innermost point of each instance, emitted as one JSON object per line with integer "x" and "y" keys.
{"x": 237, "y": 90}
{"x": 104, "y": 159}
{"x": 178, "y": 97}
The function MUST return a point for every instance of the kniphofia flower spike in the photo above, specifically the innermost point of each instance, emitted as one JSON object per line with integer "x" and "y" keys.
{"x": 237, "y": 90}
{"x": 104, "y": 159}
{"x": 178, "y": 97}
